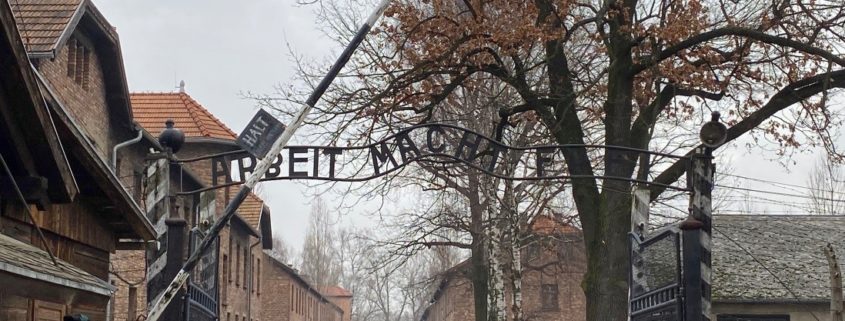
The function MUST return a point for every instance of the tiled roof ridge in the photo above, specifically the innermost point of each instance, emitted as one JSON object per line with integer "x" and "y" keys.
{"x": 194, "y": 108}
{"x": 256, "y": 197}
{"x": 197, "y": 108}
{"x": 35, "y": 33}
{"x": 202, "y": 120}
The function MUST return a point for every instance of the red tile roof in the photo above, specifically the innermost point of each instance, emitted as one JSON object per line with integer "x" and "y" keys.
{"x": 546, "y": 224}
{"x": 250, "y": 210}
{"x": 336, "y": 291}
{"x": 151, "y": 110}
{"x": 42, "y": 22}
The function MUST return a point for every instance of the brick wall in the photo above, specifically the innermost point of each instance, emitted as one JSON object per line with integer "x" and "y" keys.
{"x": 287, "y": 297}
{"x": 239, "y": 268}
{"x": 345, "y": 305}
{"x": 130, "y": 266}
{"x": 86, "y": 102}
{"x": 551, "y": 267}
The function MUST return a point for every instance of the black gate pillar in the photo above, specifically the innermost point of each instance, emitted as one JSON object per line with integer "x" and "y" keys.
{"x": 175, "y": 257}
{"x": 697, "y": 229}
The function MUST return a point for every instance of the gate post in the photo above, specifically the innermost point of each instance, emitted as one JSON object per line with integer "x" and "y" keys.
{"x": 697, "y": 237}
{"x": 175, "y": 256}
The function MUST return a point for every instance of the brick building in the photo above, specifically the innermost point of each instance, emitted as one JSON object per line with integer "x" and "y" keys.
{"x": 242, "y": 241}
{"x": 290, "y": 297}
{"x": 341, "y": 297}
{"x": 61, "y": 120}
{"x": 554, "y": 262}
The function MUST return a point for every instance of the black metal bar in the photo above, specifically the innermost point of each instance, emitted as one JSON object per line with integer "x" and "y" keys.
{"x": 175, "y": 253}
{"x": 263, "y": 165}
{"x": 405, "y": 131}
{"x": 692, "y": 272}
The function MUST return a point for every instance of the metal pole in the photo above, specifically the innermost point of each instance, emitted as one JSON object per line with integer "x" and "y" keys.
{"x": 261, "y": 168}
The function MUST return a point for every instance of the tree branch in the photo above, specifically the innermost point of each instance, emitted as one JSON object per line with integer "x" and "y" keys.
{"x": 445, "y": 243}
{"x": 789, "y": 95}
{"x": 742, "y": 32}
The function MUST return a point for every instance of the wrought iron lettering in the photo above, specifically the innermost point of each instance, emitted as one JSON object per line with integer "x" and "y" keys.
{"x": 442, "y": 144}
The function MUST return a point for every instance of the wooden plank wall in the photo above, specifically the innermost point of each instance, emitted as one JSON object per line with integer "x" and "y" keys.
{"x": 74, "y": 221}
{"x": 74, "y": 235}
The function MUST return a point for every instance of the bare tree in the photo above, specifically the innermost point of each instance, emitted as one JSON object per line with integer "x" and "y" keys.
{"x": 616, "y": 68}
{"x": 826, "y": 188}
{"x": 282, "y": 251}
{"x": 319, "y": 257}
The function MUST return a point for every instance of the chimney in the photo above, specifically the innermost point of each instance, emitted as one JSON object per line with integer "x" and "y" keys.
{"x": 182, "y": 86}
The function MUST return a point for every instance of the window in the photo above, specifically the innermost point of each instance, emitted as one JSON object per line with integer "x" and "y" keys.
{"x": 549, "y": 297}
{"x": 226, "y": 278}
{"x": 752, "y": 317}
{"x": 247, "y": 273}
{"x": 238, "y": 264}
{"x": 258, "y": 277}
{"x": 78, "y": 57}
{"x": 533, "y": 251}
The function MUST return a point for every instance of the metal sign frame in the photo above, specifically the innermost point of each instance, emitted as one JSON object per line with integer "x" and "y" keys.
{"x": 202, "y": 296}
{"x": 663, "y": 303}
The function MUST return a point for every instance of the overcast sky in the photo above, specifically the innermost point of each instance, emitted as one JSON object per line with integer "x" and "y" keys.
{"x": 220, "y": 49}
{"x": 223, "y": 48}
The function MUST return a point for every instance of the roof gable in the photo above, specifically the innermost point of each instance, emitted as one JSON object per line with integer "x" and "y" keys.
{"x": 45, "y": 24}
{"x": 151, "y": 110}
{"x": 250, "y": 210}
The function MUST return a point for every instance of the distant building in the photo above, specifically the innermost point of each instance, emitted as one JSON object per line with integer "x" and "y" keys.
{"x": 554, "y": 263}
{"x": 290, "y": 297}
{"x": 341, "y": 298}
{"x": 241, "y": 242}
{"x": 772, "y": 267}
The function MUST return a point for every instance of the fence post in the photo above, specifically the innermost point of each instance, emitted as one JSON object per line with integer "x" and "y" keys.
{"x": 835, "y": 284}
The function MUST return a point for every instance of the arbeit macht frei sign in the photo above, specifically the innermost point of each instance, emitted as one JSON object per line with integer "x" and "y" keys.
{"x": 438, "y": 144}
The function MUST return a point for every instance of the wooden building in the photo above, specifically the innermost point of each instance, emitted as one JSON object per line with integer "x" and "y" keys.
{"x": 64, "y": 106}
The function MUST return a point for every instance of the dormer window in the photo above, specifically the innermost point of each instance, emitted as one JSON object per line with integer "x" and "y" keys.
{"x": 77, "y": 62}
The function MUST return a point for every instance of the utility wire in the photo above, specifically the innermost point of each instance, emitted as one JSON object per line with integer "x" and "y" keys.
{"x": 781, "y": 183}
{"x": 779, "y": 193}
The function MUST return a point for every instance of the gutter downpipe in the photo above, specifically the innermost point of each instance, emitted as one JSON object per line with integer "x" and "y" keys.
{"x": 254, "y": 277}
{"x": 122, "y": 145}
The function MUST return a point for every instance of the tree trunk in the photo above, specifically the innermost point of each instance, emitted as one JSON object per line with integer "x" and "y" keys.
{"x": 479, "y": 272}
{"x": 496, "y": 295}
{"x": 516, "y": 255}
{"x": 606, "y": 282}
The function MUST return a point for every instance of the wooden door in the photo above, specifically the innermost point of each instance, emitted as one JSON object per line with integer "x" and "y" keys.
{"x": 47, "y": 311}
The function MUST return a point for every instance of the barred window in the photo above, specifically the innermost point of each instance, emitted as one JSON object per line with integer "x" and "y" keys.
{"x": 78, "y": 61}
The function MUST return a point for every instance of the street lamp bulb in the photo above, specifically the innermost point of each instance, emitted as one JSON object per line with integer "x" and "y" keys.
{"x": 713, "y": 133}
{"x": 171, "y": 137}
